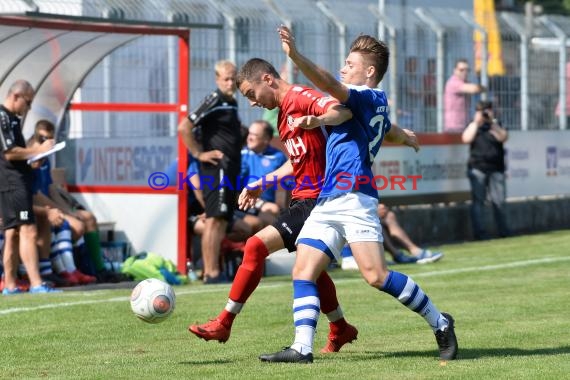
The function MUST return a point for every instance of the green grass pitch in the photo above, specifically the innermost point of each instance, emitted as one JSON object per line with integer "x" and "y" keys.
{"x": 510, "y": 299}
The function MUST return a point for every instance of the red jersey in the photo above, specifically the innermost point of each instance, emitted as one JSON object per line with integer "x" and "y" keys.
{"x": 306, "y": 148}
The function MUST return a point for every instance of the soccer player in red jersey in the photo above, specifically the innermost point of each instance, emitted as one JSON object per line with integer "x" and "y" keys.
{"x": 261, "y": 84}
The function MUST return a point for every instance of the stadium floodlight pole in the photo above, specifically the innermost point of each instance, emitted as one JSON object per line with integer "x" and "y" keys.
{"x": 393, "y": 64}
{"x": 289, "y": 24}
{"x": 524, "y": 36}
{"x": 341, "y": 26}
{"x": 484, "y": 53}
{"x": 231, "y": 20}
{"x": 439, "y": 31}
{"x": 559, "y": 33}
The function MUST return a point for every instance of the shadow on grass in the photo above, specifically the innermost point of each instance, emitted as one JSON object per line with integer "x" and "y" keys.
{"x": 464, "y": 353}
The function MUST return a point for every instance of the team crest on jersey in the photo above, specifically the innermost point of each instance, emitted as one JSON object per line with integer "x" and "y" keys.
{"x": 290, "y": 120}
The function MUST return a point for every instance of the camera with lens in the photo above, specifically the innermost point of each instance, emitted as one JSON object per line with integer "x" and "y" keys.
{"x": 487, "y": 125}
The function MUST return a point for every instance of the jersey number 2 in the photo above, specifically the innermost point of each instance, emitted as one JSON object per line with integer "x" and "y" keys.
{"x": 376, "y": 122}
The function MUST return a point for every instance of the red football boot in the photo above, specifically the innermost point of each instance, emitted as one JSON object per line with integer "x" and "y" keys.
{"x": 211, "y": 330}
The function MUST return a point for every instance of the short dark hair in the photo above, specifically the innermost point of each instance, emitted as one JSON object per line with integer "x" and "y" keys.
{"x": 267, "y": 128}
{"x": 42, "y": 125}
{"x": 374, "y": 51}
{"x": 461, "y": 60}
{"x": 253, "y": 69}
{"x": 483, "y": 105}
{"x": 45, "y": 125}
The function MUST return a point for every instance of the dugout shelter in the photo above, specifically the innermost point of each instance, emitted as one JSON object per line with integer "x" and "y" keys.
{"x": 55, "y": 54}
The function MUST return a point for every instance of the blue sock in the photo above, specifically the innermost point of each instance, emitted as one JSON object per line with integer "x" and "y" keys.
{"x": 62, "y": 246}
{"x": 45, "y": 266}
{"x": 306, "y": 309}
{"x": 405, "y": 290}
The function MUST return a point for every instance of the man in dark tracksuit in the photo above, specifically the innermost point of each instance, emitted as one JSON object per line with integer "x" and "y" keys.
{"x": 220, "y": 162}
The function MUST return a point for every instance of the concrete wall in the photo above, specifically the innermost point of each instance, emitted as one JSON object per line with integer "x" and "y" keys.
{"x": 438, "y": 224}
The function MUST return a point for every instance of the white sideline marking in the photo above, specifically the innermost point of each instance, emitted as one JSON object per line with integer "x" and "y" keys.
{"x": 514, "y": 264}
{"x": 216, "y": 288}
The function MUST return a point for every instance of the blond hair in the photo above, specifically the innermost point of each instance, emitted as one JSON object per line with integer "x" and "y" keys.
{"x": 224, "y": 64}
{"x": 374, "y": 52}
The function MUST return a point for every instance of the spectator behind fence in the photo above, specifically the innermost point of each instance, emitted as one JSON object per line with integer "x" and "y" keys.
{"x": 220, "y": 159}
{"x": 486, "y": 168}
{"x": 16, "y": 208}
{"x": 258, "y": 159}
{"x": 456, "y": 98}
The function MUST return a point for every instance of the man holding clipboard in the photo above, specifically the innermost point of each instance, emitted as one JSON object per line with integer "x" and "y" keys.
{"x": 16, "y": 207}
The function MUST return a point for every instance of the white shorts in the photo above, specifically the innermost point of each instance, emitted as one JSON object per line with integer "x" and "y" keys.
{"x": 351, "y": 217}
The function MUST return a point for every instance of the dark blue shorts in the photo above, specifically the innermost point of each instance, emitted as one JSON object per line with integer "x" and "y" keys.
{"x": 16, "y": 208}
{"x": 292, "y": 219}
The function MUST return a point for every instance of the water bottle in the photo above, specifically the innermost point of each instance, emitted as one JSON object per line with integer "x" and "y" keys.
{"x": 192, "y": 277}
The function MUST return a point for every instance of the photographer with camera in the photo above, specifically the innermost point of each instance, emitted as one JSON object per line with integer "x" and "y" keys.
{"x": 486, "y": 168}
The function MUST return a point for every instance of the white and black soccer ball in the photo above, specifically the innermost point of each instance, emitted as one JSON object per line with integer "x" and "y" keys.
{"x": 153, "y": 300}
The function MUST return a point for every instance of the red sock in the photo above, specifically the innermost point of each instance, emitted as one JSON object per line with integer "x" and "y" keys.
{"x": 329, "y": 301}
{"x": 250, "y": 271}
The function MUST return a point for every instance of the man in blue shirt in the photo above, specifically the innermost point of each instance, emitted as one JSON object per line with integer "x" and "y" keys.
{"x": 258, "y": 159}
{"x": 346, "y": 208}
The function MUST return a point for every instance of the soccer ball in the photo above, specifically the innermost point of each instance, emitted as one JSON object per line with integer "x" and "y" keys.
{"x": 152, "y": 300}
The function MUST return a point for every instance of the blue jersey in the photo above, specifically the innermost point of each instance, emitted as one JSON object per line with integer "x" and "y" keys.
{"x": 172, "y": 170}
{"x": 257, "y": 165}
{"x": 172, "y": 173}
{"x": 370, "y": 107}
{"x": 42, "y": 179}
{"x": 352, "y": 145}
{"x": 348, "y": 166}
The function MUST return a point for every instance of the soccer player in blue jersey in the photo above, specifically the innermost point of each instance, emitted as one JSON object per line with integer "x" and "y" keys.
{"x": 259, "y": 158}
{"x": 346, "y": 208}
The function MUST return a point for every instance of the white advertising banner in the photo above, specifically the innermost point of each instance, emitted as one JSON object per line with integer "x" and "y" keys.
{"x": 538, "y": 163}
{"x": 122, "y": 162}
{"x": 442, "y": 169}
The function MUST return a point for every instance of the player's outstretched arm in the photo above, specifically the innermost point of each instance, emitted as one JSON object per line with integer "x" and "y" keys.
{"x": 321, "y": 78}
{"x": 335, "y": 115}
{"x": 253, "y": 190}
{"x": 401, "y": 136}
